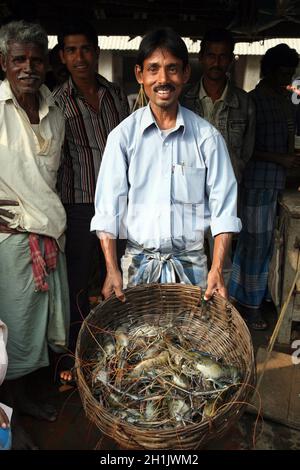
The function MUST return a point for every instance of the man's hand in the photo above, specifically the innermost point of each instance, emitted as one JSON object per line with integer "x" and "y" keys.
{"x": 6, "y": 213}
{"x": 4, "y": 421}
{"x": 113, "y": 284}
{"x": 113, "y": 281}
{"x": 215, "y": 283}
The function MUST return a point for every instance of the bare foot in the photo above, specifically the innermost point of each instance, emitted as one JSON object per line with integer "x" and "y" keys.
{"x": 66, "y": 375}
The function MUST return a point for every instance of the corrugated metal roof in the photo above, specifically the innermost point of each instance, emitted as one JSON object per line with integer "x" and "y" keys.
{"x": 124, "y": 43}
{"x": 260, "y": 47}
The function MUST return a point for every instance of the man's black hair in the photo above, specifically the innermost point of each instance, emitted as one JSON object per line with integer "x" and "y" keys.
{"x": 279, "y": 56}
{"x": 163, "y": 38}
{"x": 77, "y": 26}
{"x": 217, "y": 35}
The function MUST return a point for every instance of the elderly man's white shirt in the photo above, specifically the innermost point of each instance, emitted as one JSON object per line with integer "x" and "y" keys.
{"x": 29, "y": 169}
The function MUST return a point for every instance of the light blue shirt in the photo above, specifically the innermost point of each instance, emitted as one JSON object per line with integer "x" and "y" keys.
{"x": 163, "y": 191}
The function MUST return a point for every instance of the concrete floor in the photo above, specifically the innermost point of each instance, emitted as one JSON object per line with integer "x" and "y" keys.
{"x": 73, "y": 430}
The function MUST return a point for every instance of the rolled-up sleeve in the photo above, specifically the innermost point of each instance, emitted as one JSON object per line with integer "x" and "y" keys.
{"x": 112, "y": 187}
{"x": 221, "y": 187}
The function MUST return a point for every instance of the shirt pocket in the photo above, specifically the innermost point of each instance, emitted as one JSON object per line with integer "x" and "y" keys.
{"x": 49, "y": 164}
{"x": 188, "y": 184}
{"x": 237, "y": 129}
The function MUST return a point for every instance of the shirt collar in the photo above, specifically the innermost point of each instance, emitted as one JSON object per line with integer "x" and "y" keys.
{"x": 71, "y": 88}
{"x": 7, "y": 94}
{"x": 203, "y": 94}
{"x": 148, "y": 119}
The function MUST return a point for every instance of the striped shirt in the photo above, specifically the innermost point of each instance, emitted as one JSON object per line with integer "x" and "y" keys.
{"x": 85, "y": 137}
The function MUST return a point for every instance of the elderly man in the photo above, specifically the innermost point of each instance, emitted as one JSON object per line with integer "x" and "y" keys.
{"x": 165, "y": 177}
{"x": 33, "y": 283}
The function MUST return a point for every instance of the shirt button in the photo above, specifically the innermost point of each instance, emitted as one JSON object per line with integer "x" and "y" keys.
{"x": 166, "y": 144}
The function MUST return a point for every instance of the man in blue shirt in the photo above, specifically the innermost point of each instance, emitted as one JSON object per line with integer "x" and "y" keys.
{"x": 165, "y": 178}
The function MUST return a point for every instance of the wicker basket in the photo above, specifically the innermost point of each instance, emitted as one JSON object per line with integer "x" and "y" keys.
{"x": 224, "y": 335}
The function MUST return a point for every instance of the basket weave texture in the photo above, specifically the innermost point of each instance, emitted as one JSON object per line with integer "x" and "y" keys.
{"x": 225, "y": 335}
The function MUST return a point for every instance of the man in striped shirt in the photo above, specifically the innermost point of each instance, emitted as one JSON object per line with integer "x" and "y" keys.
{"x": 92, "y": 107}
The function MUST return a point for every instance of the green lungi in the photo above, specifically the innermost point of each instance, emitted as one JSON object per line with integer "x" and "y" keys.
{"x": 34, "y": 319}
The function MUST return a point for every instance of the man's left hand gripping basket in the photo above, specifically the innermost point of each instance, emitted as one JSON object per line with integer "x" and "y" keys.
{"x": 180, "y": 397}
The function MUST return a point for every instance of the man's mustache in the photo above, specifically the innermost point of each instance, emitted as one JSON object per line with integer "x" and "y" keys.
{"x": 165, "y": 87}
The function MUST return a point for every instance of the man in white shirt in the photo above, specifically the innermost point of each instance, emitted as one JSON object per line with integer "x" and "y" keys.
{"x": 33, "y": 284}
{"x": 165, "y": 177}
